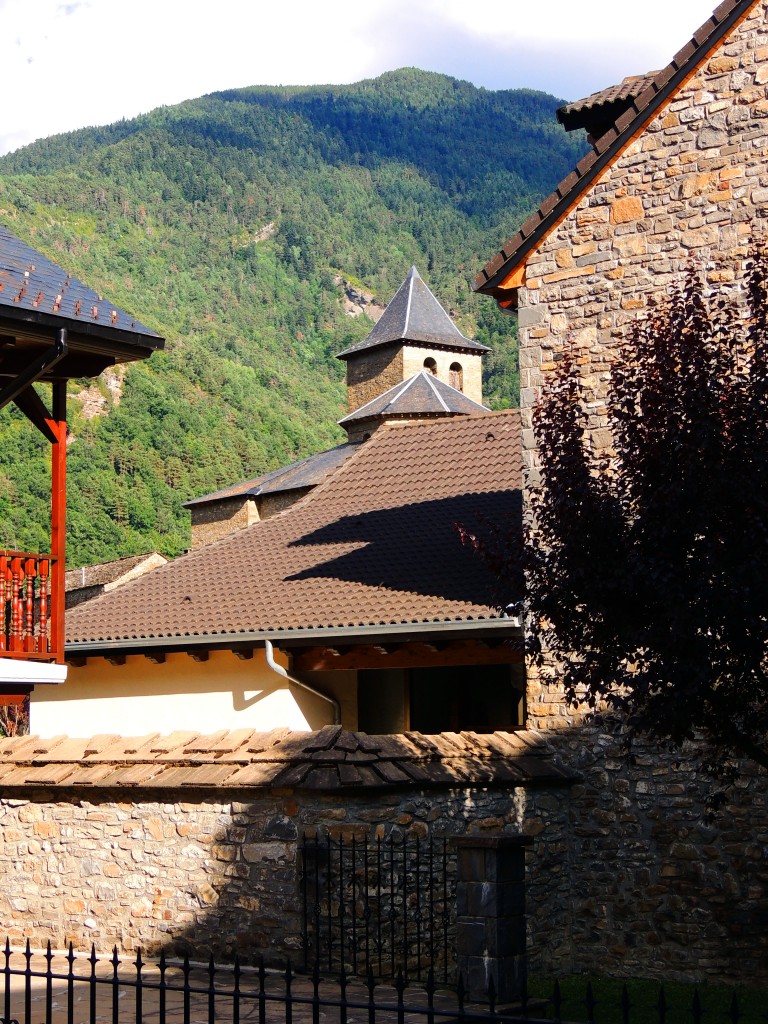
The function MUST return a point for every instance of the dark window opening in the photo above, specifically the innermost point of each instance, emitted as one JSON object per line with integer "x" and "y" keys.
{"x": 481, "y": 698}
{"x": 431, "y": 365}
{"x": 456, "y": 376}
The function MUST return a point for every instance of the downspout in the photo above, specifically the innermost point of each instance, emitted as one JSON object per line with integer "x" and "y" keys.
{"x": 270, "y": 654}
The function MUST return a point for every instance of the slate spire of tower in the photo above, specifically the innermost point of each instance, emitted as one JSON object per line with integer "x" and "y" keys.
{"x": 414, "y": 333}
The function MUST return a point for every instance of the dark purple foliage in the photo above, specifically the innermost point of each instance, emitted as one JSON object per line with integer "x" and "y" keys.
{"x": 648, "y": 571}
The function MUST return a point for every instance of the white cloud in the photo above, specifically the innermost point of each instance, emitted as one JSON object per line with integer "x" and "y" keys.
{"x": 64, "y": 65}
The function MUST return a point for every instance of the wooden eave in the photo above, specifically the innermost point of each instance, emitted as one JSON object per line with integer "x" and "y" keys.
{"x": 439, "y": 634}
{"x": 409, "y": 654}
{"x": 505, "y": 273}
{"x": 113, "y": 342}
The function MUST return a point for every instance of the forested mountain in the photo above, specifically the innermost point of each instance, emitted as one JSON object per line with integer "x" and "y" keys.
{"x": 230, "y": 224}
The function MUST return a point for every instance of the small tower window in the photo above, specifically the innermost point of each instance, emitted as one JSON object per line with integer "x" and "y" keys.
{"x": 430, "y": 365}
{"x": 456, "y": 376}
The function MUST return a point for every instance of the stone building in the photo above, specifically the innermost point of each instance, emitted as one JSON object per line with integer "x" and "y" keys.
{"x": 678, "y": 170}
{"x": 414, "y": 365}
{"x": 91, "y": 580}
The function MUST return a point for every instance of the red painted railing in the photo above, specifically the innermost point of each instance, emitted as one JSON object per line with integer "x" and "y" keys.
{"x": 28, "y": 619}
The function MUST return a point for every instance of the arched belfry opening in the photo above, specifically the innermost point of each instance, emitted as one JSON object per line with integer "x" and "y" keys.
{"x": 456, "y": 376}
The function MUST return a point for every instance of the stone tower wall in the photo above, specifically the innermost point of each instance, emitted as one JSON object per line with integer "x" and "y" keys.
{"x": 471, "y": 365}
{"x": 371, "y": 372}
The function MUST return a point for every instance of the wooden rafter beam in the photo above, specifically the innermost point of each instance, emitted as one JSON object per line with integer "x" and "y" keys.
{"x": 411, "y": 654}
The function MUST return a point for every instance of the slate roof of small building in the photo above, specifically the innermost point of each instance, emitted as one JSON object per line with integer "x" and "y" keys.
{"x": 491, "y": 280}
{"x": 297, "y": 476}
{"x": 424, "y": 394}
{"x": 34, "y": 288}
{"x": 327, "y": 760}
{"x": 378, "y": 543}
{"x": 102, "y": 573}
{"x": 414, "y": 314}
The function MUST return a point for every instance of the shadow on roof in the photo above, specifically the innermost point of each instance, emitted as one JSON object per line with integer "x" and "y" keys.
{"x": 418, "y": 549}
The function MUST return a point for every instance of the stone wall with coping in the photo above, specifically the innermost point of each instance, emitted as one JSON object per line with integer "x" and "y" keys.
{"x": 181, "y": 871}
{"x": 623, "y": 877}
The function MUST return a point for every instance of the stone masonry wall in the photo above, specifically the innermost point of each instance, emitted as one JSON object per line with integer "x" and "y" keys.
{"x": 694, "y": 183}
{"x": 654, "y": 889}
{"x": 187, "y": 873}
{"x": 650, "y": 883}
{"x": 218, "y": 519}
{"x": 623, "y": 878}
{"x": 371, "y": 372}
{"x": 471, "y": 364}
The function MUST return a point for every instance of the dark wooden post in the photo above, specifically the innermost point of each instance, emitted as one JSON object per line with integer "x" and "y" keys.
{"x": 490, "y": 920}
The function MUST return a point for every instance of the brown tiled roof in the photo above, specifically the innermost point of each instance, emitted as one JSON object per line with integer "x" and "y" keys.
{"x": 609, "y": 146}
{"x": 329, "y": 759}
{"x": 424, "y": 394}
{"x": 376, "y": 544}
{"x": 299, "y": 475}
{"x": 616, "y": 99}
{"x": 628, "y": 88}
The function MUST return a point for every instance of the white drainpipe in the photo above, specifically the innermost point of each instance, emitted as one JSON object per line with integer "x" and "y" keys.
{"x": 270, "y": 653}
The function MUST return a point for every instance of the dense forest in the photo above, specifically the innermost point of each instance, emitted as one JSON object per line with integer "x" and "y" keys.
{"x": 232, "y": 225}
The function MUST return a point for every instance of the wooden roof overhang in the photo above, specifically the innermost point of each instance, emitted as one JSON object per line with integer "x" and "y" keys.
{"x": 488, "y": 641}
{"x": 90, "y": 350}
{"x": 505, "y": 273}
{"x": 52, "y": 328}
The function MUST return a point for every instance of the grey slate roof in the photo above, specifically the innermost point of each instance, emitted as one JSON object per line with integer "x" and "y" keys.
{"x": 297, "y": 476}
{"x": 424, "y": 394}
{"x": 414, "y": 314}
{"x": 37, "y": 290}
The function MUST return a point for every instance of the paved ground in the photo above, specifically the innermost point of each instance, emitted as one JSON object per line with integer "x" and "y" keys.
{"x": 30, "y": 1001}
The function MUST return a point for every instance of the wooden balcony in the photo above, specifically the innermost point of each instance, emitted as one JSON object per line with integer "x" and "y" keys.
{"x": 31, "y": 607}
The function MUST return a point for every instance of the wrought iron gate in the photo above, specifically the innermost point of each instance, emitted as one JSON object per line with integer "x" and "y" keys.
{"x": 379, "y": 906}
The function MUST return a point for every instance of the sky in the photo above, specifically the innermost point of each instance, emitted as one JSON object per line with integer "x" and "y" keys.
{"x": 66, "y": 65}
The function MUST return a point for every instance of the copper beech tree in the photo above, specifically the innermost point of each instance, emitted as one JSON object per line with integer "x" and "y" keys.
{"x": 648, "y": 569}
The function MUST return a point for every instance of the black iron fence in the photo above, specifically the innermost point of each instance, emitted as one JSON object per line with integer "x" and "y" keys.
{"x": 74, "y": 988}
{"x": 372, "y": 906}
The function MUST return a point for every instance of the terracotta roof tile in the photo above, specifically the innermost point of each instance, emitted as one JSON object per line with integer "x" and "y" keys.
{"x": 325, "y": 760}
{"x": 377, "y": 543}
{"x": 653, "y": 90}
{"x": 627, "y": 89}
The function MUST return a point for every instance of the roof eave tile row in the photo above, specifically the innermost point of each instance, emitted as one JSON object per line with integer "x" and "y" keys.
{"x": 490, "y": 280}
{"x": 327, "y": 760}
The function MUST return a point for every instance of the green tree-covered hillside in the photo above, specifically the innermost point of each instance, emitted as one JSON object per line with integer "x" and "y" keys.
{"x": 229, "y": 224}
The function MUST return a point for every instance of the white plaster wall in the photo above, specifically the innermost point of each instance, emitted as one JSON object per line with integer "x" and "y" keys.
{"x": 139, "y": 697}
{"x": 472, "y": 366}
